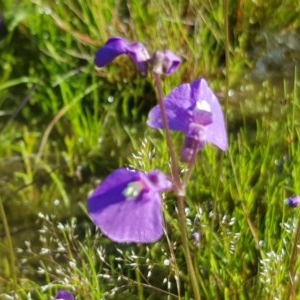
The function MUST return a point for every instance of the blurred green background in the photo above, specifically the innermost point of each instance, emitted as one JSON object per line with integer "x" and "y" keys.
{"x": 64, "y": 125}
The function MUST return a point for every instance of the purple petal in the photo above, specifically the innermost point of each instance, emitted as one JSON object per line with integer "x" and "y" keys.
{"x": 172, "y": 62}
{"x": 165, "y": 62}
{"x": 195, "y": 141}
{"x": 177, "y": 104}
{"x": 202, "y": 114}
{"x": 114, "y": 47}
{"x": 216, "y": 131}
{"x": 196, "y": 237}
{"x": 140, "y": 56}
{"x": 197, "y": 133}
{"x": 180, "y": 104}
{"x": 157, "y": 180}
{"x": 124, "y": 219}
{"x": 64, "y": 295}
{"x": 117, "y": 46}
{"x": 293, "y": 201}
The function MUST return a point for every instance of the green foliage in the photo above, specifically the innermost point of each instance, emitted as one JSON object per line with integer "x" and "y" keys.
{"x": 65, "y": 125}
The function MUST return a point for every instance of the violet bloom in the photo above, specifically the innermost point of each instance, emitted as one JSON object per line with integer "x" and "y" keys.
{"x": 195, "y": 110}
{"x": 165, "y": 62}
{"x": 293, "y": 201}
{"x": 64, "y": 295}
{"x": 116, "y": 46}
{"x": 127, "y": 206}
{"x": 196, "y": 237}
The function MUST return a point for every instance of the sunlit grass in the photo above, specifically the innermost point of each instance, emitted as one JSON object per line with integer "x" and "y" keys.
{"x": 78, "y": 124}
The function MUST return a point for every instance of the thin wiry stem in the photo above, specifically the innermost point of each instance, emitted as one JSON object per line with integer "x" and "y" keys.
{"x": 59, "y": 115}
{"x": 227, "y": 57}
{"x": 139, "y": 285}
{"x": 186, "y": 248}
{"x": 175, "y": 265}
{"x": 179, "y": 189}
{"x": 174, "y": 165}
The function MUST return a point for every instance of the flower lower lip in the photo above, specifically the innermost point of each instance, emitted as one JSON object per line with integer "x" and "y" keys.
{"x": 127, "y": 206}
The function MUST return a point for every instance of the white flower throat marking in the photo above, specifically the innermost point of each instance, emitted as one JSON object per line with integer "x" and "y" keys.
{"x": 202, "y": 105}
{"x": 133, "y": 190}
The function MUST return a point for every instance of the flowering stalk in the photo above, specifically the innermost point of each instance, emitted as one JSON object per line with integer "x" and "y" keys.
{"x": 186, "y": 249}
{"x": 174, "y": 165}
{"x": 134, "y": 196}
{"x": 179, "y": 189}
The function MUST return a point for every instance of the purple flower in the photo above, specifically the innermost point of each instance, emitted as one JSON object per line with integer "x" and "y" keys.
{"x": 64, "y": 295}
{"x": 116, "y": 46}
{"x": 196, "y": 237}
{"x": 293, "y": 201}
{"x": 164, "y": 62}
{"x": 127, "y": 206}
{"x": 194, "y": 110}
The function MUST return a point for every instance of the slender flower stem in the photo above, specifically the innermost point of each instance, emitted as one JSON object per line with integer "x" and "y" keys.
{"x": 10, "y": 244}
{"x": 174, "y": 165}
{"x": 227, "y": 57}
{"x": 139, "y": 285}
{"x": 186, "y": 249}
{"x": 179, "y": 188}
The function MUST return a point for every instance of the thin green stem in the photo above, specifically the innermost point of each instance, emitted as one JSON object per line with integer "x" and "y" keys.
{"x": 186, "y": 249}
{"x": 174, "y": 165}
{"x": 291, "y": 292}
{"x": 227, "y": 57}
{"x": 253, "y": 230}
{"x": 139, "y": 285}
{"x": 176, "y": 268}
{"x": 10, "y": 244}
{"x": 179, "y": 189}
